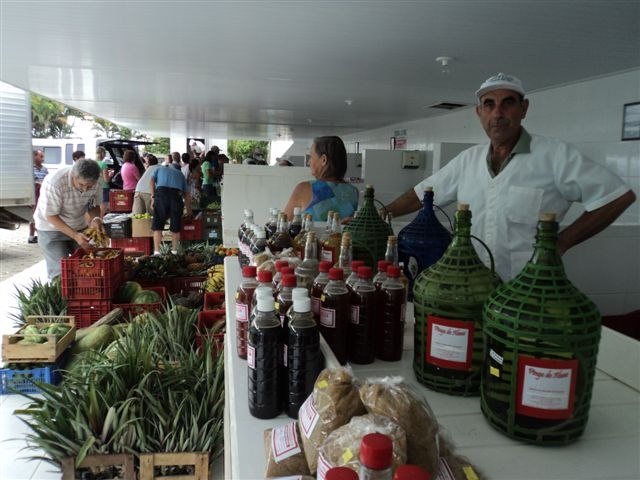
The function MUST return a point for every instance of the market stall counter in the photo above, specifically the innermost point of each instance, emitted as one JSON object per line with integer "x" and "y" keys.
{"x": 608, "y": 449}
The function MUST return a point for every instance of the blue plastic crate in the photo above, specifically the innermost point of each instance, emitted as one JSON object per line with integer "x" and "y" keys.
{"x": 22, "y": 380}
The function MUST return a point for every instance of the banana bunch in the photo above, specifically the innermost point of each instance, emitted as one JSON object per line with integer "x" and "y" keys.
{"x": 215, "y": 279}
{"x": 96, "y": 237}
{"x": 101, "y": 254}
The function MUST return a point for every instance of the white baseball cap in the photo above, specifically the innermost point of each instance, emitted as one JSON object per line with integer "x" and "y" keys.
{"x": 500, "y": 81}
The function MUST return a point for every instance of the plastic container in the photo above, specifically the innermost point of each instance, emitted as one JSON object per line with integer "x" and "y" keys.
{"x": 376, "y": 457}
{"x": 133, "y": 309}
{"x": 335, "y": 314}
{"x": 411, "y": 472}
{"x": 308, "y": 270}
{"x": 390, "y": 329}
{"x": 136, "y": 246}
{"x": 96, "y": 278}
{"x": 88, "y": 312}
{"x": 353, "y": 276}
{"x": 365, "y": 308}
{"x": 244, "y": 298}
{"x": 317, "y": 288}
{"x": 120, "y": 200}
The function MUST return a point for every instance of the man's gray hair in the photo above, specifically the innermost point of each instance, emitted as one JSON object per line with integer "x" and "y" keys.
{"x": 86, "y": 169}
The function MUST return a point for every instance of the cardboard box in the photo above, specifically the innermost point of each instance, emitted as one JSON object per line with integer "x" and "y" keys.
{"x": 141, "y": 227}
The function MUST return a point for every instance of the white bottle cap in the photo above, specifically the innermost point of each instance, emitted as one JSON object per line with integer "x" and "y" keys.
{"x": 301, "y": 305}
{"x": 263, "y": 292}
{"x": 248, "y": 212}
{"x": 300, "y": 292}
{"x": 260, "y": 233}
{"x": 266, "y": 303}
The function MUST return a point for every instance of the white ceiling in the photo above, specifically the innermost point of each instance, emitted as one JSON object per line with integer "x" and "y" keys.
{"x": 260, "y": 69}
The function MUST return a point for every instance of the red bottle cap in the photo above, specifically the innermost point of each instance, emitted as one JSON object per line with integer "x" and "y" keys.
{"x": 281, "y": 263}
{"x": 411, "y": 472}
{"x": 355, "y": 264}
{"x": 336, "y": 274}
{"x": 249, "y": 271}
{"x": 288, "y": 280}
{"x": 382, "y": 265}
{"x": 341, "y": 473}
{"x": 376, "y": 451}
{"x": 393, "y": 271}
{"x": 365, "y": 272}
{"x": 286, "y": 270}
{"x": 265, "y": 276}
{"x": 325, "y": 266}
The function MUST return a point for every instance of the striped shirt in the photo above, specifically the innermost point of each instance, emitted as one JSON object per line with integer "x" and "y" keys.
{"x": 59, "y": 197}
{"x": 39, "y": 173}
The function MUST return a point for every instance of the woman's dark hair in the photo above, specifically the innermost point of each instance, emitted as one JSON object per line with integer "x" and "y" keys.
{"x": 194, "y": 164}
{"x": 336, "y": 153}
{"x": 151, "y": 159}
{"x": 186, "y": 158}
{"x": 210, "y": 156}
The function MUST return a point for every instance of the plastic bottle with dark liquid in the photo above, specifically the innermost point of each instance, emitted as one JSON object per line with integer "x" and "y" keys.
{"x": 303, "y": 355}
{"x": 297, "y": 293}
{"x": 272, "y": 224}
{"x": 296, "y": 222}
{"x": 279, "y": 264}
{"x": 263, "y": 357}
{"x": 281, "y": 239}
{"x": 300, "y": 240}
{"x": 284, "y": 271}
{"x": 248, "y": 220}
{"x": 317, "y": 288}
{"x": 353, "y": 276}
{"x": 264, "y": 280}
{"x": 308, "y": 270}
{"x": 335, "y": 314}
{"x": 284, "y": 296}
{"x": 260, "y": 242}
{"x": 390, "y": 333}
{"x": 244, "y": 296}
{"x": 364, "y": 311}
{"x": 381, "y": 276}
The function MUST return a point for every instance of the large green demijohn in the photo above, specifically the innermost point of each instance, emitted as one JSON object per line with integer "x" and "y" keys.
{"x": 541, "y": 343}
{"x": 369, "y": 232}
{"x": 448, "y": 298}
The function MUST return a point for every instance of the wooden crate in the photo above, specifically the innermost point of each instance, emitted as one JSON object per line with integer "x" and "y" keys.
{"x": 200, "y": 460}
{"x": 100, "y": 461}
{"x": 47, "y": 352}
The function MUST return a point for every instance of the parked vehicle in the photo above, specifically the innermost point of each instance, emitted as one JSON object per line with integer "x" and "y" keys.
{"x": 58, "y": 151}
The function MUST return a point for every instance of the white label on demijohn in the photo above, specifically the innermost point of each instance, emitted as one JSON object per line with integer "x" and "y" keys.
{"x": 493, "y": 354}
{"x": 546, "y": 388}
{"x": 323, "y": 467}
{"x": 284, "y": 442}
{"x": 449, "y": 343}
{"x": 308, "y": 417}
{"x": 242, "y": 311}
{"x": 355, "y": 314}
{"x": 251, "y": 356}
{"x": 328, "y": 317}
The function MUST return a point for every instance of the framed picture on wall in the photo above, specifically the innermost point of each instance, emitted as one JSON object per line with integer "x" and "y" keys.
{"x": 631, "y": 121}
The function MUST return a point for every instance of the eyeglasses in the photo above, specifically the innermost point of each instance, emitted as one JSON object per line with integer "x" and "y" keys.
{"x": 84, "y": 186}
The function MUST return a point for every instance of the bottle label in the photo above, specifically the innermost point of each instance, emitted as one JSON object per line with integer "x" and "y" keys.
{"x": 285, "y": 442}
{"x": 355, "y": 314}
{"x": 327, "y": 254}
{"x": 546, "y": 388}
{"x": 327, "y": 317}
{"x": 449, "y": 343}
{"x": 242, "y": 312}
{"x": 251, "y": 356}
{"x": 444, "y": 471}
{"x": 323, "y": 467}
{"x": 315, "y": 305}
{"x": 308, "y": 417}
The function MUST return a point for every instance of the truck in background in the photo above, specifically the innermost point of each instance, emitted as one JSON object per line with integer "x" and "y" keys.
{"x": 58, "y": 151}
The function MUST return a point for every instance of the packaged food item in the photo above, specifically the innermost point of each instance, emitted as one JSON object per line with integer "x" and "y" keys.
{"x": 334, "y": 401}
{"x": 392, "y": 397}
{"x": 343, "y": 446}
{"x": 284, "y": 451}
{"x": 452, "y": 466}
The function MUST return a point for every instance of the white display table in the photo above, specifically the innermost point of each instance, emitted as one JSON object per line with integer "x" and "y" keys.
{"x": 609, "y": 448}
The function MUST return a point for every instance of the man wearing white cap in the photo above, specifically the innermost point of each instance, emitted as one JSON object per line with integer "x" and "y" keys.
{"x": 517, "y": 176}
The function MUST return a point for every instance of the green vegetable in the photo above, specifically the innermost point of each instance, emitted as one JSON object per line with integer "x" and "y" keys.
{"x": 127, "y": 292}
{"x": 146, "y": 296}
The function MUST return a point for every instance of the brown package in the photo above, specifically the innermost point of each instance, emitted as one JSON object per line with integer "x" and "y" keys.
{"x": 332, "y": 403}
{"x": 453, "y": 465}
{"x": 342, "y": 446}
{"x": 392, "y": 397}
{"x": 284, "y": 451}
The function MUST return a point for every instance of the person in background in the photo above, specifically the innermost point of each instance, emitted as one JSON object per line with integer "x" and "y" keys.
{"x": 39, "y": 172}
{"x": 329, "y": 191}
{"x": 129, "y": 172}
{"x": 175, "y": 160}
{"x": 208, "y": 168}
{"x": 256, "y": 158}
{"x": 515, "y": 177}
{"x": 77, "y": 155}
{"x": 168, "y": 160}
{"x": 142, "y": 195}
{"x": 169, "y": 196}
{"x": 105, "y": 179}
{"x": 69, "y": 201}
{"x": 194, "y": 181}
{"x": 186, "y": 159}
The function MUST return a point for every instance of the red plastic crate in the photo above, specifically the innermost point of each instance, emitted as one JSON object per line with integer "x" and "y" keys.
{"x": 206, "y": 320}
{"x": 185, "y": 285}
{"x": 214, "y": 301}
{"x": 166, "y": 282}
{"x": 121, "y": 200}
{"x": 91, "y": 278}
{"x": 133, "y": 309}
{"x": 191, "y": 230}
{"x": 139, "y": 245}
{"x": 88, "y": 312}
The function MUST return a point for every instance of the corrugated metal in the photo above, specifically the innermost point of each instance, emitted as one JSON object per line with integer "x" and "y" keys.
{"x": 16, "y": 161}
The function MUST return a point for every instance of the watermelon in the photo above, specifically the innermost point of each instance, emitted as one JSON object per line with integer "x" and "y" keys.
{"x": 146, "y": 296}
{"x": 127, "y": 292}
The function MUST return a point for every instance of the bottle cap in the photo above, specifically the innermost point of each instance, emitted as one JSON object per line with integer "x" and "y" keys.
{"x": 266, "y": 303}
{"x": 281, "y": 263}
{"x": 411, "y": 472}
{"x": 340, "y": 473}
{"x": 302, "y": 304}
{"x": 547, "y": 217}
{"x": 286, "y": 270}
{"x": 336, "y": 274}
{"x": 462, "y": 207}
{"x": 355, "y": 264}
{"x": 393, "y": 271}
{"x": 265, "y": 276}
{"x": 263, "y": 292}
{"x": 428, "y": 189}
{"x": 364, "y": 272}
{"x": 376, "y": 451}
{"x": 325, "y": 266}
{"x": 300, "y": 292}
{"x": 249, "y": 271}
{"x": 288, "y": 280}
{"x": 382, "y": 265}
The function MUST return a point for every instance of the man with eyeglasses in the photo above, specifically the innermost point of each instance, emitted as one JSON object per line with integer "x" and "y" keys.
{"x": 511, "y": 180}
{"x": 69, "y": 201}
